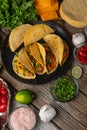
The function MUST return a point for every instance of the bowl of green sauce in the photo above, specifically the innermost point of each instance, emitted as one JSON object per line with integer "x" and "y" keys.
{"x": 64, "y": 88}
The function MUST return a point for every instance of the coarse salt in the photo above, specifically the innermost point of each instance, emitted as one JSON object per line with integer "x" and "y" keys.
{"x": 23, "y": 118}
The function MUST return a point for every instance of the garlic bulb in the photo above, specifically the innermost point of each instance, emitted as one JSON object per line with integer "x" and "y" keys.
{"x": 78, "y": 38}
{"x": 47, "y": 113}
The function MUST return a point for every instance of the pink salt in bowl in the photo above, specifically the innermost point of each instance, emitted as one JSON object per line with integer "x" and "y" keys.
{"x": 22, "y": 118}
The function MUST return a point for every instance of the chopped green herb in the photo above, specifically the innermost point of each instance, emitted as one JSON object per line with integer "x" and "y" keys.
{"x": 65, "y": 89}
{"x": 16, "y": 12}
{"x": 16, "y": 54}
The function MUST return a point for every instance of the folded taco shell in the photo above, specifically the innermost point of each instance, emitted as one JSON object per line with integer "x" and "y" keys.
{"x": 36, "y": 33}
{"x": 17, "y": 35}
{"x": 37, "y": 51}
{"x": 22, "y": 65}
{"x": 57, "y": 43}
{"x": 51, "y": 64}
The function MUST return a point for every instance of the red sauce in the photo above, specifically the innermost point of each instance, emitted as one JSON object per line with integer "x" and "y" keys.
{"x": 82, "y": 54}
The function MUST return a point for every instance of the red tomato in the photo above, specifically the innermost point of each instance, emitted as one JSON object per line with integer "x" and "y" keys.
{"x": 52, "y": 56}
{"x": 3, "y": 99}
{"x": 82, "y": 54}
{"x": 3, "y": 107}
{"x": 51, "y": 65}
{"x": 39, "y": 68}
{"x": 47, "y": 50}
{"x": 0, "y": 97}
{"x": 3, "y": 90}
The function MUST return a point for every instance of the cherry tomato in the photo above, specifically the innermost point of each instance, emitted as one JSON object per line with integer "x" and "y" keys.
{"x": 3, "y": 107}
{"x": 3, "y": 90}
{"x": 0, "y": 97}
{"x": 3, "y": 99}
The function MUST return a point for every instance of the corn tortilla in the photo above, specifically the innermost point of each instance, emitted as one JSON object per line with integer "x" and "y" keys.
{"x": 37, "y": 32}
{"x": 21, "y": 70}
{"x": 57, "y": 44}
{"x": 17, "y": 35}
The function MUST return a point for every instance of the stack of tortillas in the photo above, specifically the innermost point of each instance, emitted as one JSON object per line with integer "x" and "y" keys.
{"x": 74, "y": 12}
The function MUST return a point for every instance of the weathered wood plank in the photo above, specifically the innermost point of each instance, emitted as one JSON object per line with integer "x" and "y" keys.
{"x": 69, "y": 112}
{"x": 70, "y": 115}
{"x": 40, "y": 125}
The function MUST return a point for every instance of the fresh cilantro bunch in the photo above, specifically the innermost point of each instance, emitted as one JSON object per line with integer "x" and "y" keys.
{"x": 16, "y": 12}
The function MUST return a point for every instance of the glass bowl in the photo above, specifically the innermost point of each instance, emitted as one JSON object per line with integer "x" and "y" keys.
{"x": 64, "y": 89}
{"x": 80, "y": 54}
{"x": 5, "y": 97}
{"x": 22, "y": 117}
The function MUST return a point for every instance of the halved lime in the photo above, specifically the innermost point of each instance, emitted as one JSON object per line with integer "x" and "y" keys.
{"x": 76, "y": 72}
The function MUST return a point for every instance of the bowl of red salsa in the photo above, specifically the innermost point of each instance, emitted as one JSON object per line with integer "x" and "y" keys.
{"x": 80, "y": 54}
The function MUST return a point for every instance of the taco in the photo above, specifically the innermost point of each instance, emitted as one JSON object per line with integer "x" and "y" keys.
{"x": 36, "y": 33}
{"x": 22, "y": 65}
{"x": 36, "y": 53}
{"x": 65, "y": 53}
{"x": 17, "y": 35}
{"x": 59, "y": 46}
{"x": 51, "y": 59}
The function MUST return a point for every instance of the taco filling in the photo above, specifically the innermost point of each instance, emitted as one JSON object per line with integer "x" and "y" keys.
{"x": 37, "y": 66}
{"x": 50, "y": 58}
{"x": 20, "y": 69}
{"x": 65, "y": 53}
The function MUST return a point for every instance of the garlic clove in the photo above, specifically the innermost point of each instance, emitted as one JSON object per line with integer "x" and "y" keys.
{"x": 47, "y": 113}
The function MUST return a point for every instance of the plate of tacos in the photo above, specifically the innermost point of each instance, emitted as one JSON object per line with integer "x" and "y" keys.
{"x": 37, "y": 52}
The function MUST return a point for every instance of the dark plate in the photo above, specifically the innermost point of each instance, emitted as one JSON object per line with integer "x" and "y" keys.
{"x": 7, "y": 57}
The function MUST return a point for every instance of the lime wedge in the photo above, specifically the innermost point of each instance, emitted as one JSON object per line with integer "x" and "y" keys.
{"x": 76, "y": 72}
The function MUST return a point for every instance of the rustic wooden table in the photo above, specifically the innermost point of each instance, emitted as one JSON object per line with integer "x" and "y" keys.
{"x": 71, "y": 115}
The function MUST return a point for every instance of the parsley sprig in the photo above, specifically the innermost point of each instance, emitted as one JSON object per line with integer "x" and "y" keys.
{"x": 16, "y": 12}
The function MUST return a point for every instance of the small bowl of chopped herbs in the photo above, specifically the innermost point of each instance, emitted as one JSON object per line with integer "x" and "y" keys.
{"x": 64, "y": 89}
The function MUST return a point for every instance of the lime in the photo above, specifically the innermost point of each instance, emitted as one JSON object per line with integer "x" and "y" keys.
{"x": 24, "y": 96}
{"x": 76, "y": 72}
